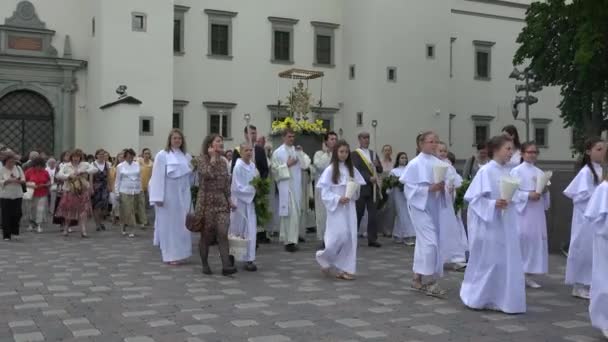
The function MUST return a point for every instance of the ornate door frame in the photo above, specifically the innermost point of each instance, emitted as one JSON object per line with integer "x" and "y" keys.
{"x": 28, "y": 61}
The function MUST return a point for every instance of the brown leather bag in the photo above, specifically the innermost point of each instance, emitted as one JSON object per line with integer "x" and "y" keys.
{"x": 191, "y": 223}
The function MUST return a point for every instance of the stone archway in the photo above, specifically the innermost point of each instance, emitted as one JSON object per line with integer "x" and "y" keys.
{"x": 27, "y": 122}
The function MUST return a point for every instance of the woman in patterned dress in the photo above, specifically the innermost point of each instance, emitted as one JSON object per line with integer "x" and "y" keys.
{"x": 214, "y": 205}
{"x": 99, "y": 181}
{"x": 76, "y": 200}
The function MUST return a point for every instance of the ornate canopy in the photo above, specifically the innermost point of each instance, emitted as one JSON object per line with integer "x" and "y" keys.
{"x": 300, "y": 74}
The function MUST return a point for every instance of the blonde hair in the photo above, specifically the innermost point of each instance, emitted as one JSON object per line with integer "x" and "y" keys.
{"x": 176, "y": 131}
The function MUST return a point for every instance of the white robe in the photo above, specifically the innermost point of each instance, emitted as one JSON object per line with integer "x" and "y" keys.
{"x": 580, "y": 253}
{"x": 453, "y": 240}
{"x": 321, "y": 161}
{"x": 307, "y": 215}
{"x": 424, "y": 210}
{"x": 290, "y": 194}
{"x": 243, "y": 220}
{"x": 494, "y": 278}
{"x": 515, "y": 160}
{"x": 341, "y": 234}
{"x": 403, "y": 227}
{"x": 597, "y": 214}
{"x": 531, "y": 219}
{"x": 170, "y": 183}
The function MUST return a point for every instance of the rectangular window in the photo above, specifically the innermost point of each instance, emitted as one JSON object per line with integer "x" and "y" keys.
{"x": 430, "y": 51}
{"x": 177, "y": 120}
{"x": 359, "y": 119}
{"x": 93, "y": 27}
{"x": 282, "y": 45}
{"x": 138, "y": 22}
{"x": 219, "y": 39}
{"x": 219, "y": 124}
{"x": 177, "y": 35}
{"x": 540, "y": 136}
{"x": 391, "y": 74}
{"x": 482, "y": 133}
{"x": 146, "y": 125}
{"x": 351, "y": 72}
{"x": 483, "y": 60}
{"x": 327, "y": 124}
{"x": 323, "y": 49}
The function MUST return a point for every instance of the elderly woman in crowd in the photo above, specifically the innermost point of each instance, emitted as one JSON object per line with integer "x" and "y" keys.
{"x": 100, "y": 196}
{"x": 51, "y": 168}
{"x": 39, "y": 180}
{"x": 12, "y": 186}
{"x": 76, "y": 200}
{"x": 128, "y": 190}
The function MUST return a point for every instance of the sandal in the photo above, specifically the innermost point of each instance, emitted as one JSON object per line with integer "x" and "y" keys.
{"x": 418, "y": 286}
{"x": 433, "y": 290}
{"x": 326, "y": 271}
{"x": 344, "y": 276}
{"x": 173, "y": 263}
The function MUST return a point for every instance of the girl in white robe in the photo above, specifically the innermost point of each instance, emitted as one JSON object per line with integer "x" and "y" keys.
{"x": 340, "y": 237}
{"x": 403, "y": 229}
{"x": 511, "y": 132}
{"x": 169, "y": 191}
{"x": 580, "y": 190}
{"x": 243, "y": 220}
{"x": 597, "y": 214}
{"x": 494, "y": 278}
{"x": 453, "y": 239}
{"x": 531, "y": 221}
{"x": 425, "y": 200}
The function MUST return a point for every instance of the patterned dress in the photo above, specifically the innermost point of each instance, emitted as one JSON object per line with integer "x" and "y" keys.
{"x": 213, "y": 205}
{"x": 100, "y": 197}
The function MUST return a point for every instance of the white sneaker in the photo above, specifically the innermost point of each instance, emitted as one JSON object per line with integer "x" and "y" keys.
{"x": 580, "y": 292}
{"x": 459, "y": 265}
{"x": 30, "y": 228}
{"x": 532, "y": 284}
{"x": 39, "y": 229}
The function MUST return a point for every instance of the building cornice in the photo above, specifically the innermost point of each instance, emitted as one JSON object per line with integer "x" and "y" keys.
{"x": 122, "y": 100}
{"x": 324, "y": 25}
{"x": 219, "y": 13}
{"x": 181, "y": 8}
{"x": 486, "y": 15}
{"x": 219, "y": 105}
{"x": 284, "y": 21}
{"x": 503, "y": 3}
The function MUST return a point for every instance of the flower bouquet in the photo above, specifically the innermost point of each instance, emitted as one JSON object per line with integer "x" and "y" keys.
{"x": 262, "y": 206}
{"x": 543, "y": 181}
{"x": 388, "y": 183}
{"x": 508, "y": 186}
{"x": 459, "y": 202}
{"x": 351, "y": 188}
{"x": 298, "y": 126}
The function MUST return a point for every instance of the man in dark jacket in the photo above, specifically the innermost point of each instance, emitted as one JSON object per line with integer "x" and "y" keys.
{"x": 368, "y": 164}
{"x": 261, "y": 164}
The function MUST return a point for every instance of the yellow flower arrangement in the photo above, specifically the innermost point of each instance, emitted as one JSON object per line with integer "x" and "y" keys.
{"x": 298, "y": 126}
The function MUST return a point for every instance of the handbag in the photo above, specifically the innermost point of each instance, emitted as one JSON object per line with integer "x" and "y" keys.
{"x": 191, "y": 223}
{"x": 28, "y": 194}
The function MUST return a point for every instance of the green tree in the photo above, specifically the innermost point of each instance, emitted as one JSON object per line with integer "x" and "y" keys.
{"x": 566, "y": 45}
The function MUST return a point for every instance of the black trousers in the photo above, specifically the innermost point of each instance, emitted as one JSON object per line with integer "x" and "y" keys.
{"x": 362, "y": 203}
{"x": 11, "y": 216}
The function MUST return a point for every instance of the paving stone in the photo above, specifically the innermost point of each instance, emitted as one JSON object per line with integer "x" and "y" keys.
{"x": 295, "y": 324}
{"x": 86, "y": 333}
{"x": 199, "y": 329}
{"x": 244, "y": 323}
{"x": 29, "y": 337}
{"x": 139, "y": 339}
{"x": 429, "y": 329}
{"x": 34, "y": 298}
{"x": 368, "y": 334}
{"x": 161, "y": 323}
{"x": 352, "y": 322}
{"x": 271, "y": 338}
{"x": 20, "y": 324}
{"x": 139, "y": 313}
{"x": 202, "y": 317}
{"x": 511, "y": 328}
{"x": 571, "y": 324}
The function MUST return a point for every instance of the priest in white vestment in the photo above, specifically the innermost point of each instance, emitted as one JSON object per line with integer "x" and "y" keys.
{"x": 340, "y": 238}
{"x": 321, "y": 161}
{"x": 494, "y": 278}
{"x": 288, "y": 176}
{"x": 307, "y": 218}
{"x": 531, "y": 220}
{"x": 169, "y": 190}
{"x": 580, "y": 190}
{"x": 243, "y": 220}
{"x": 425, "y": 199}
{"x": 597, "y": 214}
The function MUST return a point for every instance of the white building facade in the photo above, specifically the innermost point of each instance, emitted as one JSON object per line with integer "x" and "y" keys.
{"x": 200, "y": 65}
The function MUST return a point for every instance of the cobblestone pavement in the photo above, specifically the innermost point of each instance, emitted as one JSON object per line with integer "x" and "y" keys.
{"x": 110, "y": 288}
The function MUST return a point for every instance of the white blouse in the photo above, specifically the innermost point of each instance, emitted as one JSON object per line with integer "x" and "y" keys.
{"x": 11, "y": 190}
{"x": 128, "y": 178}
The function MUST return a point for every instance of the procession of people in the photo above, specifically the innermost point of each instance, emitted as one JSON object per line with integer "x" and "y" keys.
{"x": 502, "y": 250}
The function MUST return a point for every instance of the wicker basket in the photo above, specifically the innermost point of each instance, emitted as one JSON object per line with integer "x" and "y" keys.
{"x": 238, "y": 244}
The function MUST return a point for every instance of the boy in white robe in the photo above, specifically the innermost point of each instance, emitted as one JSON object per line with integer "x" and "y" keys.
{"x": 424, "y": 198}
{"x": 288, "y": 176}
{"x": 597, "y": 214}
{"x": 321, "y": 161}
{"x": 580, "y": 190}
{"x": 243, "y": 221}
{"x": 340, "y": 238}
{"x": 531, "y": 220}
{"x": 494, "y": 278}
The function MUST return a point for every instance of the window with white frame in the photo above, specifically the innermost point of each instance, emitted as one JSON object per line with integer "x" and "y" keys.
{"x": 483, "y": 60}
{"x": 327, "y": 115}
{"x": 324, "y": 42}
{"x": 481, "y": 128}
{"x": 359, "y": 119}
{"x": 282, "y": 40}
{"x": 179, "y": 22}
{"x": 93, "y": 27}
{"x": 541, "y": 131}
{"x": 430, "y": 51}
{"x": 178, "y": 114}
{"x": 138, "y": 22}
{"x": 146, "y": 125}
{"x": 219, "y": 118}
{"x": 351, "y": 72}
{"x": 220, "y": 33}
{"x": 277, "y": 113}
{"x": 391, "y": 74}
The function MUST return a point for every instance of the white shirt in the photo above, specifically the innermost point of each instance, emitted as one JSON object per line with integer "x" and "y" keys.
{"x": 101, "y": 166}
{"x": 128, "y": 178}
